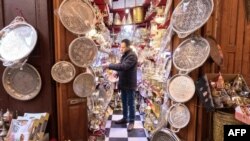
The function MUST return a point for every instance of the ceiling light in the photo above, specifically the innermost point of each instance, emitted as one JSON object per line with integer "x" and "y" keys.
{"x": 127, "y": 11}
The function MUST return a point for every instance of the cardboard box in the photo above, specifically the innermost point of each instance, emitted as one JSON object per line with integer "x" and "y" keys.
{"x": 241, "y": 116}
{"x": 203, "y": 88}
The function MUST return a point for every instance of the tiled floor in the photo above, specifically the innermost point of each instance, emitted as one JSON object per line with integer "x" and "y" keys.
{"x": 118, "y": 132}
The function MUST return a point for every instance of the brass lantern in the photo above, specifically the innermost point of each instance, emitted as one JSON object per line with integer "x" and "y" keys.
{"x": 138, "y": 14}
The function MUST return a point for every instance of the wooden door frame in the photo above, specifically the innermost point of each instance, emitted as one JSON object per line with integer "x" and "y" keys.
{"x": 64, "y": 92}
{"x": 59, "y": 34}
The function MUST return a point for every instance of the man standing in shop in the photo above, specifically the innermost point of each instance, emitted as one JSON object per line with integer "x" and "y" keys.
{"x": 127, "y": 72}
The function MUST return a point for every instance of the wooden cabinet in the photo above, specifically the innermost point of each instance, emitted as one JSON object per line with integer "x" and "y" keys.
{"x": 38, "y": 14}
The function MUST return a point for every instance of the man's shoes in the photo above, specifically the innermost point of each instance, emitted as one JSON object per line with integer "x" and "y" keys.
{"x": 121, "y": 121}
{"x": 130, "y": 126}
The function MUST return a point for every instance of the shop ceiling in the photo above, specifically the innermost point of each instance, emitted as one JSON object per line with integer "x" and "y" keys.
{"x": 109, "y": 5}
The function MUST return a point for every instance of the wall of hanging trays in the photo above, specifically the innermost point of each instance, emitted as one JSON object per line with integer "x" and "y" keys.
{"x": 188, "y": 17}
{"x": 20, "y": 80}
{"x": 87, "y": 52}
{"x": 156, "y": 86}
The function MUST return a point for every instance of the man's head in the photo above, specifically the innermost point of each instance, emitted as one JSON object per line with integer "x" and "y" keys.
{"x": 125, "y": 45}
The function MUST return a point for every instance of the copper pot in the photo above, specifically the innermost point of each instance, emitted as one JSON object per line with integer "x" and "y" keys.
{"x": 138, "y": 14}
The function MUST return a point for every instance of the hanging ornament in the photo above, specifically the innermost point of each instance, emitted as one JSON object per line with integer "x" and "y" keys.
{"x": 117, "y": 20}
{"x": 129, "y": 19}
{"x": 220, "y": 82}
{"x": 124, "y": 20}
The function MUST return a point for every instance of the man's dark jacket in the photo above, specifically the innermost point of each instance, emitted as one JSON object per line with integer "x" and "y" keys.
{"x": 127, "y": 70}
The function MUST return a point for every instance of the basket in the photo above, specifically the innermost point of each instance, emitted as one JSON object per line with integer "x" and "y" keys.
{"x": 219, "y": 120}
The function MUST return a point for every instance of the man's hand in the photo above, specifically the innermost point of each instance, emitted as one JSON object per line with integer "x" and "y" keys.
{"x": 105, "y": 66}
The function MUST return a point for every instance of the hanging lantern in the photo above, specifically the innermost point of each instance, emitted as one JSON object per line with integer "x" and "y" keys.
{"x": 138, "y": 14}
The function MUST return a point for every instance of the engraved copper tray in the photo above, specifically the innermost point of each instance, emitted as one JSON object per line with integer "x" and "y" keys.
{"x": 84, "y": 85}
{"x": 179, "y": 116}
{"x": 216, "y": 52}
{"x": 190, "y": 15}
{"x": 82, "y": 51}
{"x": 22, "y": 83}
{"x": 63, "y": 72}
{"x": 191, "y": 54}
{"x": 17, "y": 40}
{"x": 78, "y": 16}
{"x": 181, "y": 88}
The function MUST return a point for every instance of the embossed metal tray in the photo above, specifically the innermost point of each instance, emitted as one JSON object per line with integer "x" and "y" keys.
{"x": 179, "y": 116}
{"x": 78, "y": 16}
{"x": 84, "y": 84}
{"x": 22, "y": 84}
{"x": 17, "y": 40}
{"x": 164, "y": 135}
{"x": 181, "y": 88}
{"x": 190, "y": 15}
{"x": 82, "y": 51}
{"x": 63, "y": 72}
{"x": 191, "y": 54}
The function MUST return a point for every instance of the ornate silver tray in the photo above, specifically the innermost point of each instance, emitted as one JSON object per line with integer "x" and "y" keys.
{"x": 164, "y": 135}
{"x": 84, "y": 85}
{"x": 179, "y": 116}
{"x": 181, "y": 88}
{"x": 144, "y": 90}
{"x": 17, "y": 40}
{"x": 110, "y": 75}
{"x": 82, "y": 51}
{"x": 190, "y": 15}
{"x": 78, "y": 16}
{"x": 63, "y": 72}
{"x": 191, "y": 54}
{"x": 139, "y": 75}
{"x": 22, "y": 84}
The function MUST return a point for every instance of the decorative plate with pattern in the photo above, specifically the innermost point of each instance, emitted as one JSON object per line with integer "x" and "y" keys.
{"x": 17, "y": 40}
{"x": 181, "y": 88}
{"x": 22, "y": 83}
{"x": 82, "y": 51}
{"x": 191, "y": 54}
{"x": 190, "y": 15}
{"x": 164, "y": 135}
{"x": 179, "y": 116}
{"x": 78, "y": 16}
{"x": 84, "y": 85}
{"x": 63, "y": 72}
